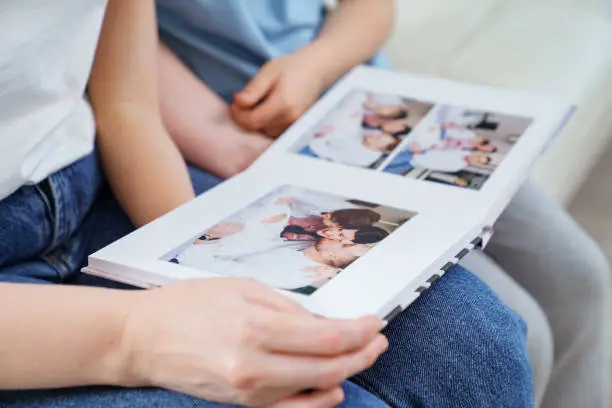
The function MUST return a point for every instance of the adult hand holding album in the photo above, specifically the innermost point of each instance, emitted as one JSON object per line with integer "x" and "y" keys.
{"x": 236, "y": 341}
{"x": 369, "y": 198}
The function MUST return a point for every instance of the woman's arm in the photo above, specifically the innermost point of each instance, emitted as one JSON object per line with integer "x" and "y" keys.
{"x": 143, "y": 165}
{"x": 62, "y": 336}
{"x": 53, "y": 336}
{"x": 200, "y": 124}
{"x": 171, "y": 337}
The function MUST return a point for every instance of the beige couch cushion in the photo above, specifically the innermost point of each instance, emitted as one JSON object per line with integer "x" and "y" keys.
{"x": 562, "y": 46}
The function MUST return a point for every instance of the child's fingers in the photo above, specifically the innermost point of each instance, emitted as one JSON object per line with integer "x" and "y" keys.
{"x": 263, "y": 116}
{"x": 256, "y": 90}
{"x": 274, "y": 131}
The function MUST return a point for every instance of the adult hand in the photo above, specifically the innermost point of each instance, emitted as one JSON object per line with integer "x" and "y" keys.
{"x": 279, "y": 94}
{"x": 238, "y": 342}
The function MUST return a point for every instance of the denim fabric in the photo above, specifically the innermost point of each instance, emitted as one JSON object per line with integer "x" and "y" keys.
{"x": 400, "y": 163}
{"x": 107, "y": 397}
{"x": 457, "y": 346}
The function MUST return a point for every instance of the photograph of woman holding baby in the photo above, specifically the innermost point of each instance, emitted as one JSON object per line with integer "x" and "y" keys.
{"x": 293, "y": 239}
{"x": 363, "y": 130}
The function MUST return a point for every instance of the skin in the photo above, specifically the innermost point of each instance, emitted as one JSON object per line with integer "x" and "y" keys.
{"x": 287, "y": 86}
{"x": 477, "y": 159}
{"x": 394, "y": 126}
{"x": 276, "y": 218}
{"x": 487, "y": 148}
{"x": 389, "y": 111}
{"x": 170, "y": 337}
{"x": 321, "y": 274}
{"x": 386, "y": 125}
{"x": 328, "y": 221}
{"x": 335, "y": 253}
{"x": 293, "y": 236}
{"x": 373, "y": 121}
{"x": 346, "y": 236}
{"x": 200, "y": 124}
{"x": 378, "y": 141}
{"x": 480, "y": 144}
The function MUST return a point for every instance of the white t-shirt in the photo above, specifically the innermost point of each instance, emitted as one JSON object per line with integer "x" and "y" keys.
{"x": 257, "y": 252}
{"x": 448, "y": 161}
{"x": 342, "y": 135}
{"x": 46, "y": 53}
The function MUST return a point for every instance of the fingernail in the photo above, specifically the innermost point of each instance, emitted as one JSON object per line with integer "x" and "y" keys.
{"x": 339, "y": 395}
{"x": 381, "y": 323}
{"x": 385, "y": 344}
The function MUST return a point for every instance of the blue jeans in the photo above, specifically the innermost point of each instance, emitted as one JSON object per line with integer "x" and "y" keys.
{"x": 456, "y": 346}
{"x": 402, "y": 163}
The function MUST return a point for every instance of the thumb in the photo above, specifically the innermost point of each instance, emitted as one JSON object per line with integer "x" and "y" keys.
{"x": 256, "y": 90}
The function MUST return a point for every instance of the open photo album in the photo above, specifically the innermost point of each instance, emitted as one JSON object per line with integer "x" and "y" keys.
{"x": 376, "y": 192}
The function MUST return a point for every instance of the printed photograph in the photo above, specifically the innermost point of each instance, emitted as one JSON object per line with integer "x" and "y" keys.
{"x": 457, "y": 146}
{"x": 293, "y": 238}
{"x": 363, "y": 130}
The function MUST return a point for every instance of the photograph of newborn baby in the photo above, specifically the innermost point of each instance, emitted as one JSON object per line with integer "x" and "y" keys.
{"x": 363, "y": 130}
{"x": 293, "y": 238}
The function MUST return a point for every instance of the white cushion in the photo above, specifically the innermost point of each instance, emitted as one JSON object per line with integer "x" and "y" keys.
{"x": 429, "y": 33}
{"x": 562, "y": 46}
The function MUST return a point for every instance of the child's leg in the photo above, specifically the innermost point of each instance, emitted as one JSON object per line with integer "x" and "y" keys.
{"x": 541, "y": 247}
{"x": 539, "y": 334}
{"x": 456, "y": 346}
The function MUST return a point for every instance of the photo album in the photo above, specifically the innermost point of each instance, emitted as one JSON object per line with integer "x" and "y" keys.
{"x": 367, "y": 200}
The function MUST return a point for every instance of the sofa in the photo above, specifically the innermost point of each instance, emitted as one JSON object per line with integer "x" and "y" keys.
{"x": 563, "y": 47}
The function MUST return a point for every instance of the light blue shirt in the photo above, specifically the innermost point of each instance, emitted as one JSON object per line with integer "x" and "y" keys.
{"x": 225, "y": 42}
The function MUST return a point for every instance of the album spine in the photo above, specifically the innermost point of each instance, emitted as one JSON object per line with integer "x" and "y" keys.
{"x": 477, "y": 243}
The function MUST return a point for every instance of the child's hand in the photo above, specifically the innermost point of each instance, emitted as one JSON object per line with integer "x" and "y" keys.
{"x": 278, "y": 95}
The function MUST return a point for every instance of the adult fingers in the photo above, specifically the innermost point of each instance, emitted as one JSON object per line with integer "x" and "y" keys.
{"x": 284, "y": 333}
{"x": 263, "y": 295}
{"x": 288, "y": 371}
{"x": 316, "y": 399}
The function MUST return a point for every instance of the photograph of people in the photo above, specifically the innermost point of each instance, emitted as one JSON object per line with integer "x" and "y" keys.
{"x": 293, "y": 239}
{"x": 363, "y": 129}
{"x": 457, "y": 146}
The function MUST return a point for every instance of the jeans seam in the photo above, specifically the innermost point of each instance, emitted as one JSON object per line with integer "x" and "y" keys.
{"x": 368, "y": 386}
{"x": 58, "y": 217}
{"x": 51, "y": 213}
{"x": 57, "y": 262}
